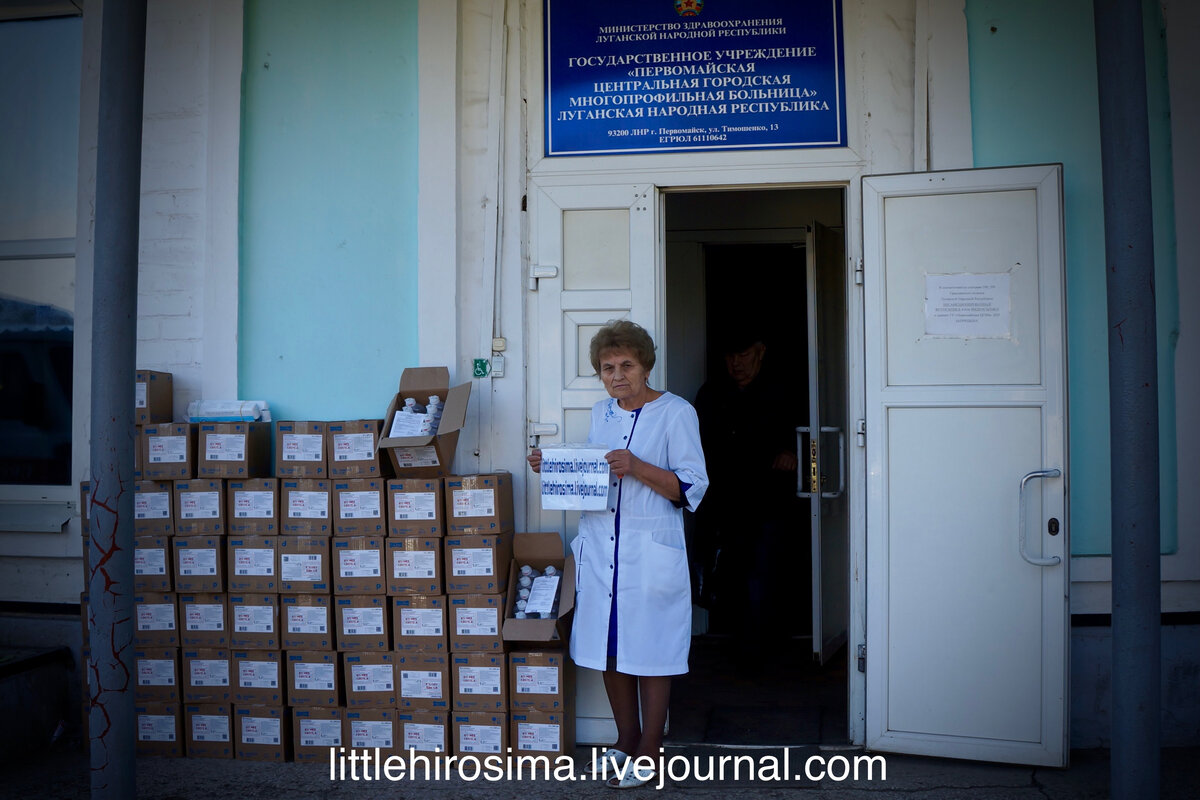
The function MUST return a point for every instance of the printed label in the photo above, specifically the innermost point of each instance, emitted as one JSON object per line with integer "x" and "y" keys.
{"x": 260, "y": 730}
{"x": 414, "y": 505}
{"x": 420, "y": 621}
{"x": 209, "y": 672}
{"x": 302, "y": 447}
{"x": 372, "y": 677}
{"x": 416, "y": 683}
{"x": 204, "y": 616}
{"x": 359, "y": 505}
{"x": 155, "y": 672}
{"x": 320, "y": 732}
{"x": 149, "y": 561}
{"x": 253, "y": 504}
{"x": 416, "y": 456}
{"x": 225, "y": 447}
{"x": 152, "y": 505}
{"x": 537, "y": 736}
{"x": 358, "y": 563}
{"x": 353, "y": 447}
{"x": 428, "y": 738}
{"x": 258, "y": 674}
{"x": 197, "y": 561}
{"x": 139, "y": 394}
{"x": 371, "y": 733}
{"x": 313, "y": 677}
{"x": 155, "y": 617}
{"x": 362, "y": 621}
{"x": 156, "y": 728}
{"x": 167, "y": 449}
{"x": 210, "y": 728}
{"x": 536, "y": 680}
{"x": 199, "y": 505}
{"x": 473, "y": 502}
{"x": 408, "y": 564}
{"x": 479, "y": 738}
{"x": 308, "y": 505}
{"x": 476, "y": 621}
{"x": 471, "y": 561}
{"x": 295, "y": 567}
{"x": 307, "y": 619}
{"x": 254, "y": 619}
{"x": 254, "y": 561}
{"x": 479, "y": 680}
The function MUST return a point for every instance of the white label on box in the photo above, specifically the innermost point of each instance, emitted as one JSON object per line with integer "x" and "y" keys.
{"x": 156, "y": 728}
{"x": 258, "y": 674}
{"x": 359, "y": 505}
{"x": 537, "y": 736}
{"x": 210, "y": 672}
{"x": 294, "y": 567}
{"x": 479, "y": 738}
{"x": 254, "y": 619}
{"x": 139, "y": 394}
{"x": 414, "y": 563}
{"x": 260, "y": 730}
{"x": 479, "y": 680}
{"x": 358, "y": 563}
{"x": 253, "y": 561}
{"x": 469, "y": 561}
{"x": 362, "y": 621}
{"x": 149, "y": 561}
{"x": 197, "y": 560}
{"x": 210, "y": 728}
{"x": 155, "y": 617}
{"x": 155, "y": 672}
{"x": 473, "y": 502}
{"x": 308, "y": 505}
{"x": 313, "y": 676}
{"x": 320, "y": 732}
{"x": 416, "y": 456}
{"x": 307, "y": 619}
{"x": 204, "y": 616}
{"x": 253, "y": 505}
{"x": 225, "y": 447}
{"x": 424, "y": 737}
{"x": 476, "y": 621}
{"x": 302, "y": 446}
{"x": 371, "y": 733}
{"x": 417, "y": 683}
{"x": 574, "y": 478}
{"x": 536, "y": 680}
{"x": 353, "y": 446}
{"x": 199, "y": 505}
{"x": 372, "y": 677}
{"x": 152, "y": 505}
{"x": 167, "y": 449}
{"x": 415, "y": 505}
{"x": 407, "y": 423}
{"x": 420, "y": 621}
{"x": 542, "y": 595}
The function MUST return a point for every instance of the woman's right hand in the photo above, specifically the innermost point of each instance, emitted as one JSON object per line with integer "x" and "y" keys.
{"x": 535, "y": 460}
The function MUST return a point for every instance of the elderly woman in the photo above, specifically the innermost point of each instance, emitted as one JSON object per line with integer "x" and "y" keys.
{"x": 633, "y": 607}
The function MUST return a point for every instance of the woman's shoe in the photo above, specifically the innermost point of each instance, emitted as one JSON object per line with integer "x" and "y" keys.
{"x": 607, "y": 762}
{"x": 632, "y": 779}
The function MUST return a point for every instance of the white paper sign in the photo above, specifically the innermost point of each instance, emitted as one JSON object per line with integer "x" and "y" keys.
{"x": 574, "y": 478}
{"x": 968, "y": 305}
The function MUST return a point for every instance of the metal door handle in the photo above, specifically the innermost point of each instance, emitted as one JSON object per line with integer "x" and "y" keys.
{"x": 814, "y": 479}
{"x": 540, "y": 429}
{"x": 1035, "y": 560}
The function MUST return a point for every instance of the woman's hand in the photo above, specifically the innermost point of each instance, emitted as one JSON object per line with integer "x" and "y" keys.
{"x": 535, "y": 460}
{"x": 622, "y": 462}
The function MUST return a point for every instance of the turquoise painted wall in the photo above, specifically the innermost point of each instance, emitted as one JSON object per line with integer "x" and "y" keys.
{"x": 328, "y": 277}
{"x": 1034, "y": 100}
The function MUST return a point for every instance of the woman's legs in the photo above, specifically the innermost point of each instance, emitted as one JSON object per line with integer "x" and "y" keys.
{"x": 622, "y": 692}
{"x": 638, "y": 736}
{"x": 656, "y": 697}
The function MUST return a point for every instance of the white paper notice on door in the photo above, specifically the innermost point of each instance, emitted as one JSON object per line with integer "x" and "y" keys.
{"x": 968, "y": 305}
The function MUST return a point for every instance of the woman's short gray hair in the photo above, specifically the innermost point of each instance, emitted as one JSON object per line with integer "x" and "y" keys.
{"x": 623, "y": 335}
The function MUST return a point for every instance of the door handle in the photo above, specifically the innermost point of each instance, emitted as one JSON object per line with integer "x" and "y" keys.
{"x": 1035, "y": 560}
{"x": 540, "y": 429}
{"x": 811, "y": 461}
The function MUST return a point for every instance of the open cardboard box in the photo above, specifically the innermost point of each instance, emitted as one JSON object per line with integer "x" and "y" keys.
{"x": 540, "y": 550}
{"x": 426, "y": 456}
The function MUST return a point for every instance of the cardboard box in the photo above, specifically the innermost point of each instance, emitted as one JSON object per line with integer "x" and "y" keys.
{"x": 158, "y": 730}
{"x": 314, "y": 731}
{"x": 540, "y": 681}
{"x": 169, "y": 452}
{"x": 157, "y": 675}
{"x": 253, "y": 563}
{"x": 414, "y": 565}
{"x": 475, "y": 623}
{"x": 362, "y": 622}
{"x": 262, "y": 733}
{"x": 139, "y": 448}
{"x": 254, "y": 621}
{"x": 199, "y": 563}
{"x": 419, "y": 623}
{"x": 258, "y": 677}
{"x": 153, "y": 508}
{"x": 203, "y": 620}
{"x": 300, "y": 450}
{"x": 480, "y": 681}
{"x": 234, "y": 450}
{"x": 304, "y": 564}
{"x": 200, "y": 507}
{"x": 479, "y": 503}
{"x": 252, "y": 506}
{"x": 209, "y": 728}
{"x": 153, "y": 396}
{"x": 426, "y": 732}
{"x": 207, "y": 675}
{"x": 416, "y": 507}
{"x": 541, "y": 550}
{"x": 424, "y": 681}
{"x": 304, "y": 507}
{"x": 542, "y": 732}
{"x": 152, "y": 561}
{"x": 312, "y": 678}
{"x": 480, "y": 733}
{"x": 353, "y": 448}
{"x": 478, "y": 563}
{"x": 306, "y": 622}
{"x": 358, "y": 507}
{"x": 155, "y": 620}
{"x": 426, "y": 456}
{"x": 370, "y": 729}
{"x": 358, "y": 565}
{"x": 370, "y": 679}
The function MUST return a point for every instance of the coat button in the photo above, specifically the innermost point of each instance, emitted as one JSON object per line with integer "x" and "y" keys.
{"x": 612, "y": 538}
{"x": 612, "y": 511}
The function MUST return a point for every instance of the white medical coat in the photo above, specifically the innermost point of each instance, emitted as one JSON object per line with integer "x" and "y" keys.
{"x": 653, "y": 587}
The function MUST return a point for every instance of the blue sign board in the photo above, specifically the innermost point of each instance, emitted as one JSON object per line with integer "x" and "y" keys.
{"x": 631, "y": 76}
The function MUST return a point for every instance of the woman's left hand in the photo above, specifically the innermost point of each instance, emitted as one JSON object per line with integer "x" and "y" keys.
{"x": 621, "y": 462}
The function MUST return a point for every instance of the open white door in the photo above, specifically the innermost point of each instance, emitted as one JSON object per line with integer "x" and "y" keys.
{"x": 592, "y": 260}
{"x": 967, "y": 613}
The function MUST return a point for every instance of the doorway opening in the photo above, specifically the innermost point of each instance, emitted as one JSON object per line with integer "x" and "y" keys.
{"x": 755, "y": 338}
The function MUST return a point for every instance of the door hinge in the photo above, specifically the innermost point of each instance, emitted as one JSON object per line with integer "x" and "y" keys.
{"x": 537, "y": 272}
{"x": 862, "y": 658}
{"x": 860, "y": 433}
{"x": 858, "y": 271}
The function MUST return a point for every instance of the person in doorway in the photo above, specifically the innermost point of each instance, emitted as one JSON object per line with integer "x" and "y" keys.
{"x": 633, "y": 612}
